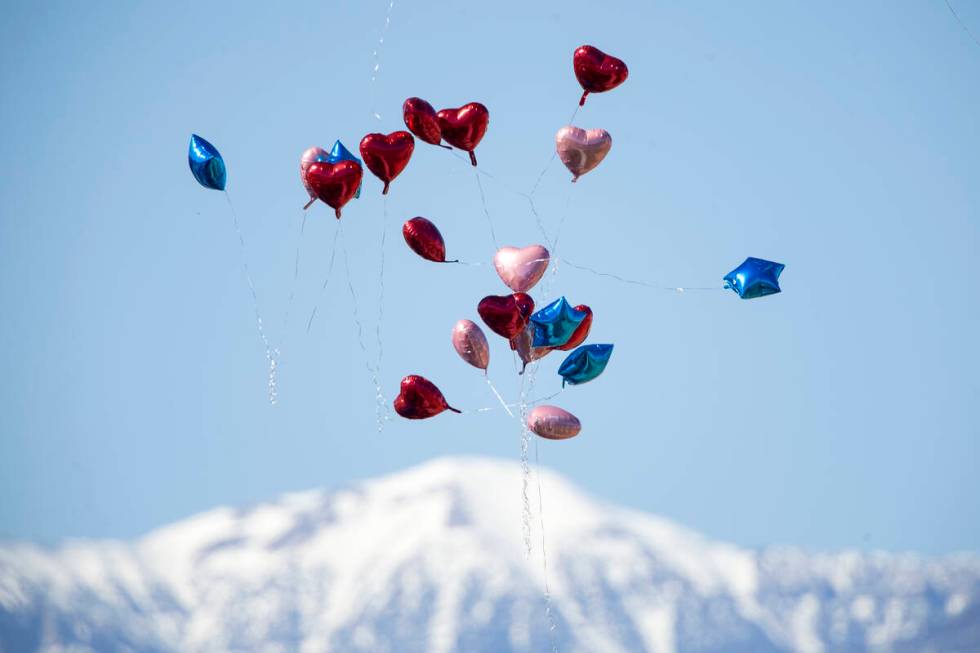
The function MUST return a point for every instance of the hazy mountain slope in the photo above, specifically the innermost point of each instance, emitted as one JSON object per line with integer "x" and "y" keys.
{"x": 432, "y": 560}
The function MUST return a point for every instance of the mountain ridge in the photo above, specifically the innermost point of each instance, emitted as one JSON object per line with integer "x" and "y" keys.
{"x": 432, "y": 558}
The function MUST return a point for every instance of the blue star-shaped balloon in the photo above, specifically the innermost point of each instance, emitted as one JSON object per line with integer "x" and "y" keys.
{"x": 555, "y": 323}
{"x": 755, "y": 277}
{"x": 206, "y": 163}
{"x": 584, "y": 364}
{"x": 341, "y": 153}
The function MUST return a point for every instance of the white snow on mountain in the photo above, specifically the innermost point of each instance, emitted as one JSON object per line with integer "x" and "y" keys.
{"x": 432, "y": 560}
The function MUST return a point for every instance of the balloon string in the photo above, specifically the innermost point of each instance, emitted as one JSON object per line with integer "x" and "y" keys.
{"x": 271, "y": 353}
{"x": 376, "y": 68}
{"x": 292, "y": 289}
{"x": 525, "y": 470}
{"x": 532, "y": 402}
{"x": 381, "y": 409}
{"x": 526, "y": 196}
{"x": 359, "y": 325}
{"x": 547, "y": 166}
{"x": 534, "y": 189}
{"x": 962, "y": 24}
{"x": 326, "y": 281}
{"x": 677, "y": 289}
{"x": 499, "y": 398}
{"x": 552, "y": 626}
{"x": 486, "y": 211}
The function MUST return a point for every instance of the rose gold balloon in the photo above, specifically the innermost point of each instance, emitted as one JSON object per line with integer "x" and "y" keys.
{"x": 521, "y": 268}
{"x": 582, "y": 150}
{"x": 471, "y": 344}
{"x": 553, "y": 423}
{"x": 310, "y": 156}
{"x": 522, "y": 344}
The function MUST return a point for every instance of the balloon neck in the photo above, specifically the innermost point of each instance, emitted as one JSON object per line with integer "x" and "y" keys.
{"x": 574, "y": 179}
{"x": 309, "y": 204}
{"x": 582, "y": 101}
{"x": 472, "y": 158}
{"x": 455, "y": 260}
{"x": 385, "y": 190}
{"x": 448, "y": 407}
{"x": 336, "y": 212}
{"x": 443, "y": 146}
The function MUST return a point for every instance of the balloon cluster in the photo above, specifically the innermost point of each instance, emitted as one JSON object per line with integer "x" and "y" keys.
{"x": 335, "y": 177}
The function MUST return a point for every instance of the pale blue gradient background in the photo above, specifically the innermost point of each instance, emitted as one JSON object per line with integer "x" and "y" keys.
{"x": 839, "y": 138}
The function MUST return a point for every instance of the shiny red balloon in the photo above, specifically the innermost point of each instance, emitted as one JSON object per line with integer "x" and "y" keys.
{"x": 424, "y": 239}
{"x": 506, "y": 315}
{"x": 464, "y": 127}
{"x": 421, "y": 120}
{"x": 386, "y": 155}
{"x": 597, "y": 71}
{"x": 420, "y": 398}
{"x": 580, "y": 333}
{"x": 334, "y": 184}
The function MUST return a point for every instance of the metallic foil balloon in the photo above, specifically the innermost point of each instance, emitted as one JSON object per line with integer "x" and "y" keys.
{"x": 581, "y": 332}
{"x": 464, "y": 127}
{"x": 597, "y": 71}
{"x": 310, "y": 156}
{"x": 522, "y": 344}
{"x": 421, "y": 120}
{"x": 584, "y": 364}
{"x": 582, "y": 150}
{"x": 553, "y": 423}
{"x": 506, "y": 315}
{"x": 206, "y": 163}
{"x": 340, "y": 153}
{"x": 419, "y": 398}
{"x": 755, "y": 277}
{"x": 424, "y": 239}
{"x": 471, "y": 344}
{"x": 555, "y": 324}
{"x": 334, "y": 184}
{"x": 521, "y": 268}
{"x": 386, "y": 155}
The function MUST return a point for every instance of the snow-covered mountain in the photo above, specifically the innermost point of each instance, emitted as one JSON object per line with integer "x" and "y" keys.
{"x": 433, "y": 560}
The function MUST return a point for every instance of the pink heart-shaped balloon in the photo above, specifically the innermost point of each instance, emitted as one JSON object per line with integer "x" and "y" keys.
{"x": 521, "y": 268}
{"x": 582, "y": 150}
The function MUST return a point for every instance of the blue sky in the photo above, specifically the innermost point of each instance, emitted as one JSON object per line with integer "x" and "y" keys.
{"x": 842, "y": 140}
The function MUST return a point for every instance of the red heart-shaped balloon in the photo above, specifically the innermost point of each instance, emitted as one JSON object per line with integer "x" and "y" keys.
{"x": 421, "y": 120}
{"x": 597, "y": 71}
{"x": 464, "y": 127}
{"x": 420, "y": 398}
{"x": 506, "y": 315}
{"x": 386, "y": 155}
{"x": 334, "y": 184}
{"x": 424, "y": 239}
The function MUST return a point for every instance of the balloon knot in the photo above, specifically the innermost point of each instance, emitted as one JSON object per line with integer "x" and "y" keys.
{"x": 454, "y": 410}
{"x": 582, "y": 101}
{"x": 336, "y": 212}
{"x": 444, "y": 146}
{"x": 309, "y": 204}
{"x": 472, "y": 158}
{"x": 385, "y": 190}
